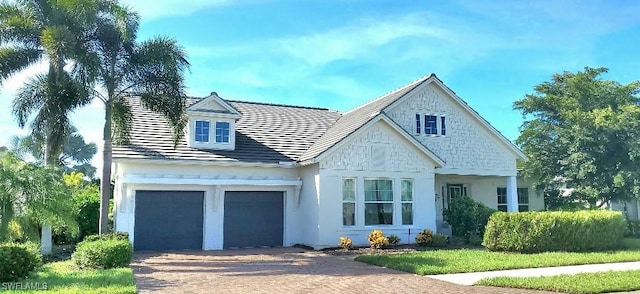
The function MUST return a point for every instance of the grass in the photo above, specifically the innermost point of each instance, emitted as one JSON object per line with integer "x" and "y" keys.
{"x": 477, "y": 260}
{"x": 63, "y": 277}
{"x": 579, "y": 283}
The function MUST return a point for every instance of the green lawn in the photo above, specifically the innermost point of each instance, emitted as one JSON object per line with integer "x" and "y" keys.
{"x": 580, "y": 283}
{"x": 62, "y": 277}
{"x": 476, "y": 260}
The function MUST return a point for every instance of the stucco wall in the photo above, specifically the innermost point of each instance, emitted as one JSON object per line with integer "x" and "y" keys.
{"x": 468, "y": 147}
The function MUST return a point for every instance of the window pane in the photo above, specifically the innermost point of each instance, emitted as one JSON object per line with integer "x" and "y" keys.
{"x": 523, "y": 207}
{"x": 430, "y": 124}
{"x": 378, "y": 214}
{"x": 348, "y": 190}
{"x": 443, "y": 130}
{"x": 378, "y": 190}
{"x": 202, "y": 131}
{"x": 407, "y": 190}
{"x": 418, "y": 124}
{"x": 502, "y": 208}
{"x": 222, "y": 132}
{"x": 502, "y": 195}
{"x": 523, "y": 195}
{"x": 348, "y": 214}
{"x": 407, "y": 213}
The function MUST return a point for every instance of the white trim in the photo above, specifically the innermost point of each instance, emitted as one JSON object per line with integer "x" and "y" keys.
{"x": 214, "y": 96}
{"x": 474, "y": 172}
{"x": 282, "y": 164}
{"x": 381, "y": 116}
{"x": 433, "y": 79}
{"x": 136, "y": 179}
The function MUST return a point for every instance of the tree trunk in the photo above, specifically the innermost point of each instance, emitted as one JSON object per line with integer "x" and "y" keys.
{"x": 46, "y": 238}
{"x": 105, "y": 181}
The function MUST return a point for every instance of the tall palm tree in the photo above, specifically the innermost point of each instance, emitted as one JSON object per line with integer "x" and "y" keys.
{"x": 152, "y": 70}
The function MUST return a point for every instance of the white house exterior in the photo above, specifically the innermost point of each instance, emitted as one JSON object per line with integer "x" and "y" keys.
{"x": 250, "y": 174}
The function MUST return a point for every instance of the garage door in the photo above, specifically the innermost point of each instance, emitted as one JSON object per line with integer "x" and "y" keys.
{"x": 253, "y": 219}
{"x": 168, "y": 220}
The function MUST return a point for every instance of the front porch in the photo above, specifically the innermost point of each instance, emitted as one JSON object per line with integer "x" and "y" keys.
{"x": 497, "y": 192}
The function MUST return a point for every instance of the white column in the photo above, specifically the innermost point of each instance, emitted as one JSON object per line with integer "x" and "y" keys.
{"x": 359, "y": 201}
{"x": 45, "y": 240}
{"x": 512, "y": 194}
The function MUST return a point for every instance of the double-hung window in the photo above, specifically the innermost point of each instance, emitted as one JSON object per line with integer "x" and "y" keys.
{"x": 378, "y": 202}
{"x": 523, "y": 199}
{"x": 222, "y": 132}
{"x": 348, "y": 202}
{"x": 202, "y": 131}
{"x": 502, "y": 199}
{"x": 430, "y": 125}
{"x": 407, "y": 201}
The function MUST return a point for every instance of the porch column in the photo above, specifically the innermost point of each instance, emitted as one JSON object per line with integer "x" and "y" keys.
{"x": 512, "y": 194}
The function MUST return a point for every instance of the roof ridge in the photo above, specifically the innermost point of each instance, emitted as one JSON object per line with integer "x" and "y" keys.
{"x": 421, "y": 79}
{"x": 279, "y": 104}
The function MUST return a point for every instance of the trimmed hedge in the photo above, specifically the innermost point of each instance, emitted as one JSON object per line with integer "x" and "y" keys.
{"x": 108, "y": 236}
{"x": 103, "y": 254}
{"x": 467, "y": 217}
{"x": 17, "y": 261}
{"x": 530, "y": 232}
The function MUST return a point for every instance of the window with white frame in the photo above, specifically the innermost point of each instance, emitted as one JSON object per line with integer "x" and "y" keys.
{"x": 502, "y": 199}
{"x": 202, "y": 131}
{"x": 443, "y": 126}
{"x": 378, "y": 202}
{"x": 222, "y": 132}
{"x": 418, "y": 123}
{"x": 407, "y": 201}
{"x": 523, "y": 199}
{"x": 430, "y": 125}
{"x": 348, "y": 202}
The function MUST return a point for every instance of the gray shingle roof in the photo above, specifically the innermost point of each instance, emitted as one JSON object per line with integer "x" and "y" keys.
{"x": 266, "y": 133}
{"x": 356, "y": 118}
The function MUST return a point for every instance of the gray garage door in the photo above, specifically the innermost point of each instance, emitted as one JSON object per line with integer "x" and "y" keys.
{"x": 168, "y": 220}
{"x": 253, "y": 219}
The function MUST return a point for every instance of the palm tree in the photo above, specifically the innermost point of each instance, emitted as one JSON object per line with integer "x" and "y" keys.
{"x": 152, "y": 70}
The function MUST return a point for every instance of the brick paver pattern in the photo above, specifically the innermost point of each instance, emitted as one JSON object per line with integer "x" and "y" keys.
{"x": 280, "y": 270}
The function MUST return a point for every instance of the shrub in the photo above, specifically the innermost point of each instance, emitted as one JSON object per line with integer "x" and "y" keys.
{"x": 345, "y": 243}
{"x": 467, "y": 217}
{"x": 17, "y": 261}
{"x": 377, "y": 239}
{"x": 87, "y": 205}
{"x": 587, "y": 230}
{"x": 108, "y": 236}
{"x": 424, "y": 238}
{"x": 393, "y": 240}
{"x": 633, "y": 229}
{"x": 103, "y": 254}
{"x": 439, "y": 240}
{"x": 475, "y": 240}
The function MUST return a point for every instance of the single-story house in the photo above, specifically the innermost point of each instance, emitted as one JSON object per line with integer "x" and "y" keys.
{"x": 251, "y": 174}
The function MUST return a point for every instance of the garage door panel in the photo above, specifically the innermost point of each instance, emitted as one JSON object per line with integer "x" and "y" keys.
{"x": 253, "y": 219}
{"x": 168, "y": 220}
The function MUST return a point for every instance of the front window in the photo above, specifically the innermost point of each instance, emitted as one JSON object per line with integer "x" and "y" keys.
{"x": 378, "y": 202}
{"x": 348, "y": 202}
{"x": 523, "y": 199}
{"x": 202, "y": 131}
{"x": 222, "y": 132}
{"x": 407, "y": 202}
{"x": 502, "y": 199}
{"x": 430, "y": 125}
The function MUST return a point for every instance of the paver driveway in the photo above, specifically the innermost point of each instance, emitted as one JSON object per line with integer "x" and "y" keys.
{"x": 279, "y": 270}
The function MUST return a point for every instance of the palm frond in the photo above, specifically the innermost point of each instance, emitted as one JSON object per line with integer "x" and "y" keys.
{"x": 30, "y": 98}
{"x": 17, "y": 25}
{"x": 15, "y": 59}
{"x": 122, "y": 120}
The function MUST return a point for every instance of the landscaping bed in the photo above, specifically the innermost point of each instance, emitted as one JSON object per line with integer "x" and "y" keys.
{"x": 579, "y": 283}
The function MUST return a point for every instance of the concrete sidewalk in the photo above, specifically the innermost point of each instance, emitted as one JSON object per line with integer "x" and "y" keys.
{"x": 472, "y": 278}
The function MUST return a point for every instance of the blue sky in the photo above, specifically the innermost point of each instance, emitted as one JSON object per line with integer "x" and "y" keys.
{"x": 340, "y": 54}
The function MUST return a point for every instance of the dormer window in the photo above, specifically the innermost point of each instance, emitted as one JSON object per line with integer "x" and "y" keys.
{"x": 202, "y": 131}
{"x": 222, "y": 132}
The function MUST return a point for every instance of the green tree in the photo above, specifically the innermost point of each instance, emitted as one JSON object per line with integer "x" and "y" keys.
{"x": 75, "y": 157}
{"x": 33, "y": 192}
{"x": 152, "y": 70}
{"x": 583, "y": 133}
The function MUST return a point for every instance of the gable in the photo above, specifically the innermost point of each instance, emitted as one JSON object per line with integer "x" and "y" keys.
{"x": 469, "y": 146}
{"x": 213, "y": 105}
{"x": 377, "y": 147}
